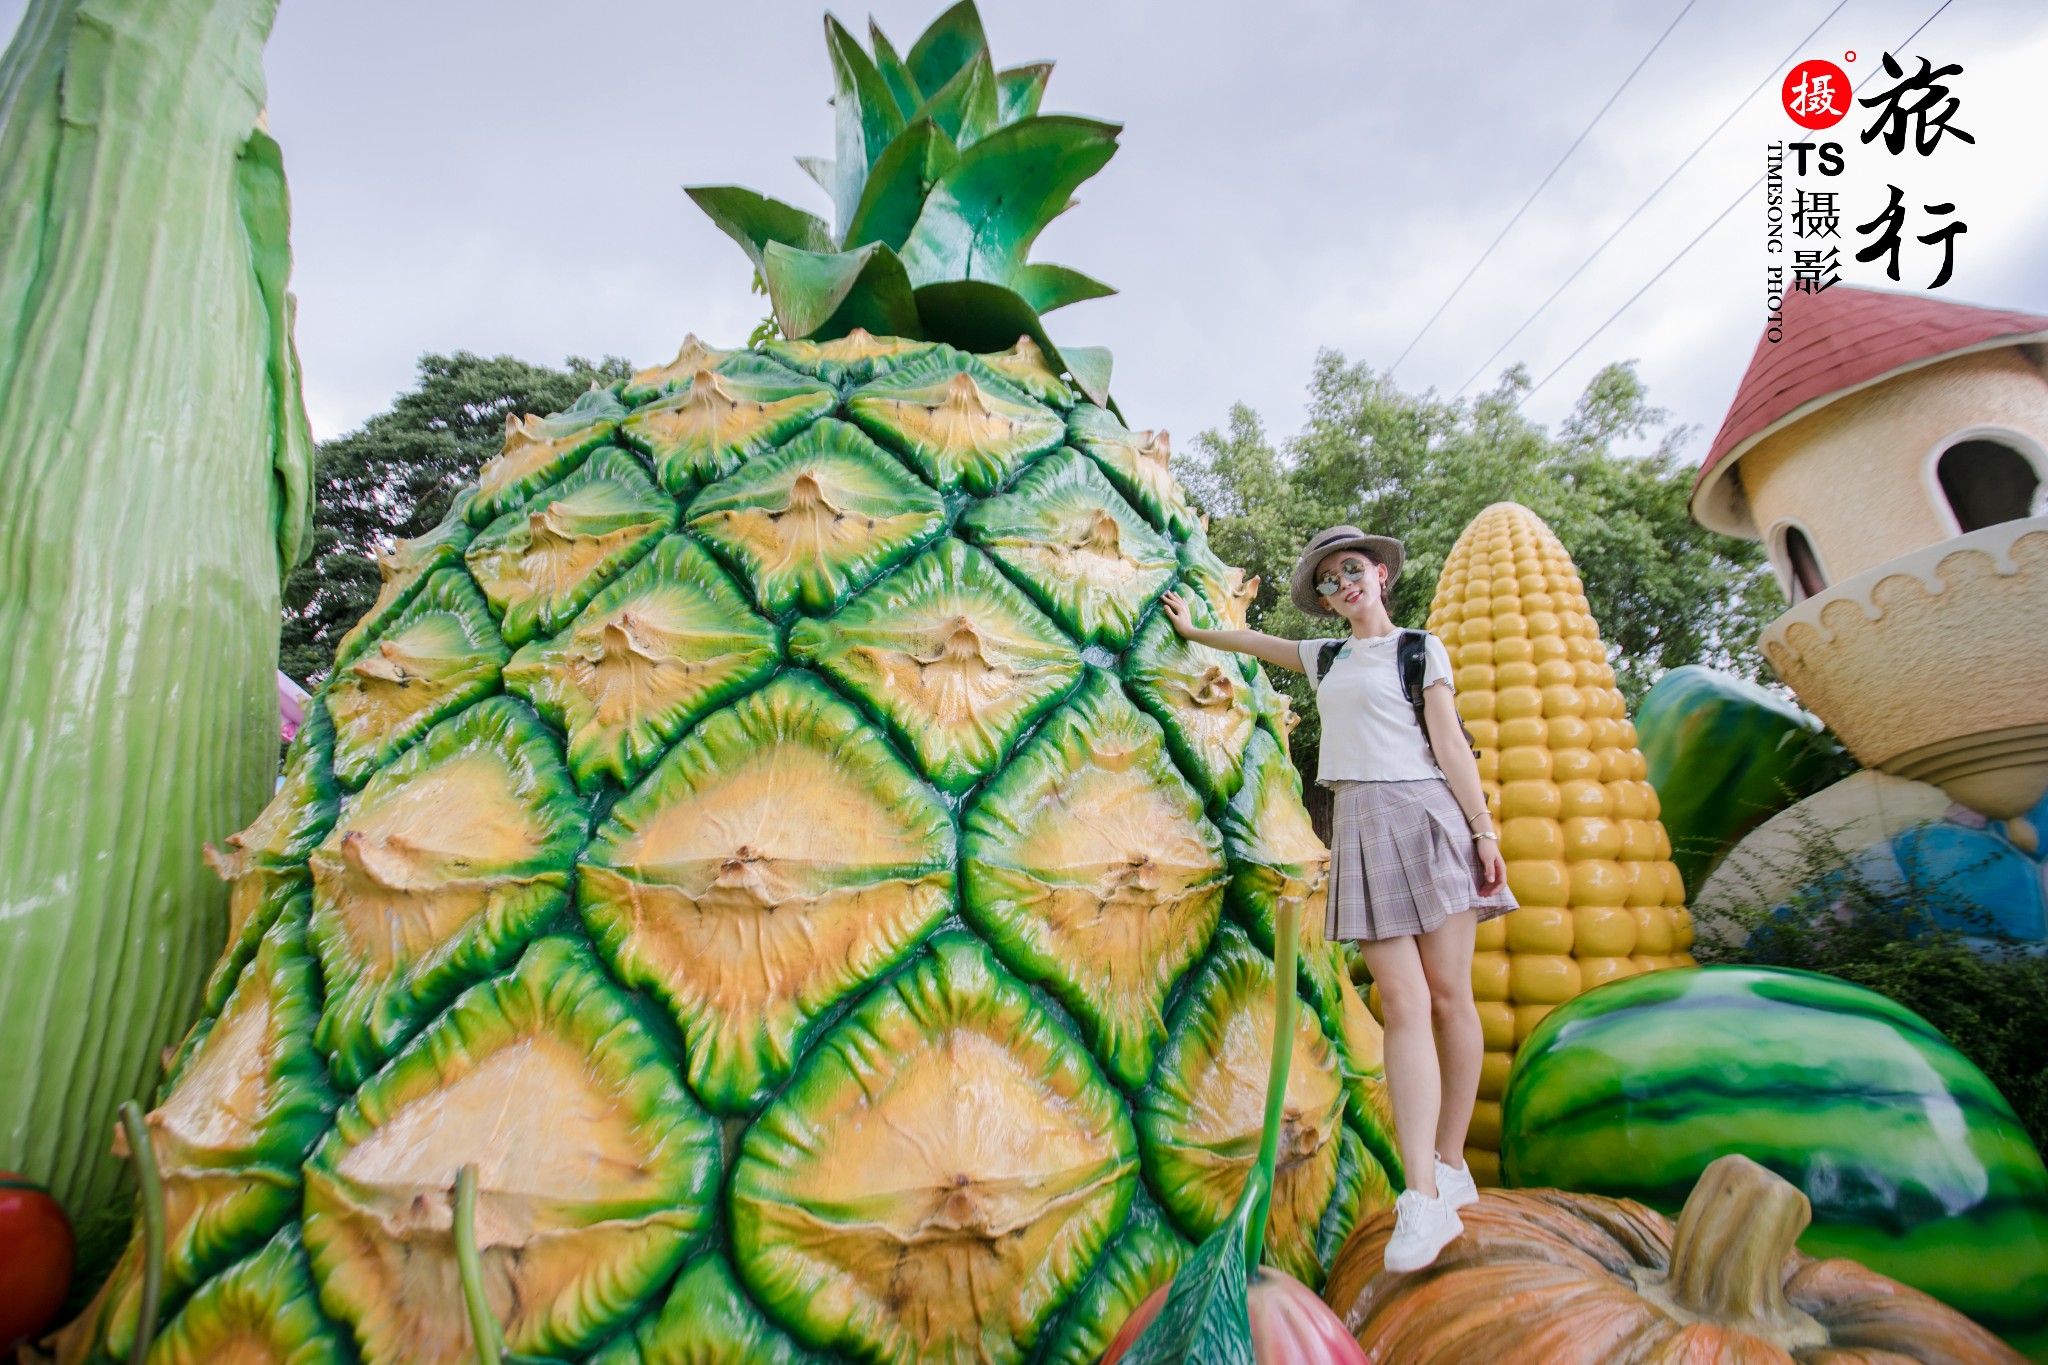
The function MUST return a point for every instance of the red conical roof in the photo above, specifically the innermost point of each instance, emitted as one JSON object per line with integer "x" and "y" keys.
{"x": 1834, "y": 343}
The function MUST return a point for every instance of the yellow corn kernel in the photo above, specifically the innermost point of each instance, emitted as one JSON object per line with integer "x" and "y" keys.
{"x": 1530, "y": 838}
{"x": 1541, "y": 978}
{"x": 1493, "y": 1075}
{"x": 1539, "y": 929}
{"x": 1655, "y": 936}
{"x": 1497, "y": 1026}
{"x": 1490, "y": 976}
{"x": 1527, "y": 1017}
{"x": 1598, "y": 971}
{"x": 1603, "y": 931}
{"x": 1485, "y": 1131}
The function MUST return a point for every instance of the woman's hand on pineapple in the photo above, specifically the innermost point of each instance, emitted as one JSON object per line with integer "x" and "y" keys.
{"x": 1179, "y": 614}
{"x": 1269, "y": 648}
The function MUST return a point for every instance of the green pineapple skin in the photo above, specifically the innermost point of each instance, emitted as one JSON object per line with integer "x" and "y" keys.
{"x": 744, "y": 1290}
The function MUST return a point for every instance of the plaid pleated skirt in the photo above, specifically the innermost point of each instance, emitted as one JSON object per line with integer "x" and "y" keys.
{"x": 1401, "y": 861}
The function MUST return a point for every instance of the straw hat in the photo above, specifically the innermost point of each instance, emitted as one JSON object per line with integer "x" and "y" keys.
{"x": 1383, "y": 549}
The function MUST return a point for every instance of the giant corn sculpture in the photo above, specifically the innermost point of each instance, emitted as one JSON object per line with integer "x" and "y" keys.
{"x": 1587, "y": 859}
{"x": 772, "y": 834}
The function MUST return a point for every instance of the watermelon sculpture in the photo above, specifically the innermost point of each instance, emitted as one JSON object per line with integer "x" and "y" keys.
{"x": 1724, "y": 755}
{"x": 1914, "y": 1163}
{"x": 770, "y": 832}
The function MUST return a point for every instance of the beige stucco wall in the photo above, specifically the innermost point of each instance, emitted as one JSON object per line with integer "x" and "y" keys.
{"x": 1855, "y": 474}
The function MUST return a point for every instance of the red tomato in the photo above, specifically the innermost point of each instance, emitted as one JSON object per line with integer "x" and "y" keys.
{"x": 35, "y": 1259}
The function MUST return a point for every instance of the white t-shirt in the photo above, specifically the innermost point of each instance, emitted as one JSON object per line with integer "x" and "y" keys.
{"x": 1369, "y": 729}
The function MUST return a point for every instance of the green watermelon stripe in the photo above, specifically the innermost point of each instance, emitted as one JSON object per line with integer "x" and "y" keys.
{"x": 1813, "y": 991}
{"x": 1678, "y": 1096}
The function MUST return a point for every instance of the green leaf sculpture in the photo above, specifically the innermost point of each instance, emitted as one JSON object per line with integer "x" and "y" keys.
{"x": 1223, "y": 1308}
{"x": 943, "y": 174}
{"x": 156, "y": 477}
{"x": 1205, "y": 1320}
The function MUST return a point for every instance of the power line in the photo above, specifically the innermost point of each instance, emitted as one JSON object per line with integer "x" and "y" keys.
{"x": 1747, "y": 191}
{"x": 1637, "y": 211}
{"x": 1682, "y": 251}
{"x": 1456, "y": 290}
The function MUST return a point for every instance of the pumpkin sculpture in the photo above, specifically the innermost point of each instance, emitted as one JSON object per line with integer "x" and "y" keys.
{"x": 1546, "y": 1278}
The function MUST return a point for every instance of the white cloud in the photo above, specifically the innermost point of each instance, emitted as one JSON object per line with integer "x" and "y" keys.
{"x": 503, "y": 175}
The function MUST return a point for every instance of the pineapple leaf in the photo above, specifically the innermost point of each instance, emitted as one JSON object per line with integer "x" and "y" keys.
{"x": 895, "y": 74}
{"x": 947, "y": 45}
{"x": 1046, "y": 287}
{"x": 1018, "y": 91}
{"x": 265, "y": 205}
{"x": 834, "y": 292}
{"x": 1205, "y": 1319}
{"x": 897, "y": 186}
{"x": 965, "y": 106}
{"x": 820, "y": 169}
{"x": 982, "y": 216}
{"x": 978, "y": 316}
{"x": 867, "y": 115}
{"x": 1144, "y": 1257}
{"x": 754, "y": 220}
{"x": 1090, "y": 367}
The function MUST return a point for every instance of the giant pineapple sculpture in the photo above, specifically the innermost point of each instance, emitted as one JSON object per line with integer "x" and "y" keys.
{"x": 772, "y": 833}
{"x": 1587, "y": 858}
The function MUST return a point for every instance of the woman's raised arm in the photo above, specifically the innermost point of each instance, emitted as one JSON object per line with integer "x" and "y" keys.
{"x": 1270, "y": 649}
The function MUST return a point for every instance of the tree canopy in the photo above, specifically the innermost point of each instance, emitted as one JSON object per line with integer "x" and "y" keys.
{"x": 393, "y": 477}
{"x": 1664, "y": 590}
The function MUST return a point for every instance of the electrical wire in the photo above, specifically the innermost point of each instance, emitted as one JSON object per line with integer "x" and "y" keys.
{"x": 1541, "y": 308}
{"x": 1682, "y": 251}
{"x": 1459, "y": 287}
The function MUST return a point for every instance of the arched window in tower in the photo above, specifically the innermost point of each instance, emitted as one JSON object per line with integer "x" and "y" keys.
{"x": 1806, "y": 578}
{"x": 1987, "y": 482}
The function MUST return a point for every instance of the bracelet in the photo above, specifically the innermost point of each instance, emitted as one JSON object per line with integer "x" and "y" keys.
{"x": 1489, "y": 834}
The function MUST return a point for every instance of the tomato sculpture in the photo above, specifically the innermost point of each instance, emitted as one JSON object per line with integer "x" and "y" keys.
{"x": 35, "y": 1258}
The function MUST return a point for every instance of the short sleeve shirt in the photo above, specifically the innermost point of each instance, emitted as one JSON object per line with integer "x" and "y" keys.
{"x": 1369, "y": 729}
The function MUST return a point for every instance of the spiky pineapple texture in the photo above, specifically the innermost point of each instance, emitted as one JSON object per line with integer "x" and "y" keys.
{"x": 772, "y": 831}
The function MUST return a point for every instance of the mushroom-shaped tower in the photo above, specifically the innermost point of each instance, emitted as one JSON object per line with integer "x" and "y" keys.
{"x": 1587, "y": 858}
{"x": 1892, "y": 452}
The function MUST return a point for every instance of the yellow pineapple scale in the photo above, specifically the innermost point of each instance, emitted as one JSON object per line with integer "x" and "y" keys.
{"x": 1587, "y": 857}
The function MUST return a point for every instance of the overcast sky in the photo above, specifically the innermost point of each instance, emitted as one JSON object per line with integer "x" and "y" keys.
{"x": 503, "y": 176}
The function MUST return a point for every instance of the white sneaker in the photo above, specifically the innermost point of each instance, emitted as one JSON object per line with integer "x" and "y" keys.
{"x": 1457, "y": 1187}
{"x": 1422, "y": 1227}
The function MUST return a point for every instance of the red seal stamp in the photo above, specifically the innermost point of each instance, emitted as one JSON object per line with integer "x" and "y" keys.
{"x": 1816, "y": 94}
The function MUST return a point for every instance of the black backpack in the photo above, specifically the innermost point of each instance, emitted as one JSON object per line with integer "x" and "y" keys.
{"x": 1411, "y": 658}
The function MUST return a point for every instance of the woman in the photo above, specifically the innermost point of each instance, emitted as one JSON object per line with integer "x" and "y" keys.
{"x": 1414, "y": 851}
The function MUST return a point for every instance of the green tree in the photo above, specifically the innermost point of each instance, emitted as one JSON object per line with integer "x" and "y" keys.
{"x": 392, "y": 478}
{"x": 1665, "y": 590}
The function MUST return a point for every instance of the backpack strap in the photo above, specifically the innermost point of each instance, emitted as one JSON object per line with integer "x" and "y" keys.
{"x": 1326, "y": 654}
{"x": 1413, "y": 660}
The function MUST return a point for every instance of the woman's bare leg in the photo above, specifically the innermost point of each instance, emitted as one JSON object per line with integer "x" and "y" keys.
{"x": 1446, "y": 958}
{"x": 1411, "y": 1057}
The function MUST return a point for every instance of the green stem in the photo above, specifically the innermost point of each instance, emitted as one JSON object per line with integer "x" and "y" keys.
{"x": 1286, "y": 940}
{"x": 489, "y": 1348}
{"x": 150, "y": 1191}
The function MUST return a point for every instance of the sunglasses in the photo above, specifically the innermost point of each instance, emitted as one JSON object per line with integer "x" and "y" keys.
{"x": 1349, "y": 570}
